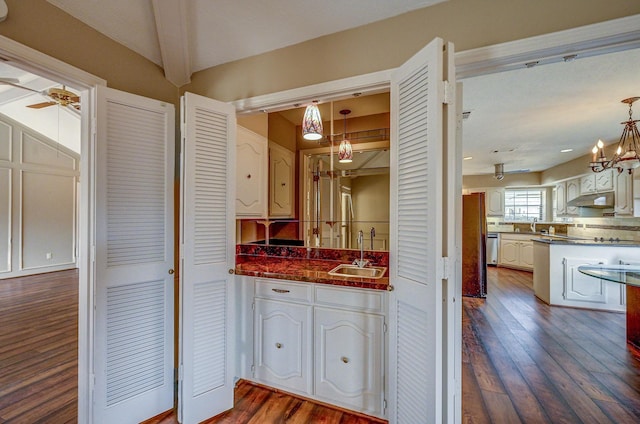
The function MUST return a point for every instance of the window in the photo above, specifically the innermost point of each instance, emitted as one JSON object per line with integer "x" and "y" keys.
{"x": 524, "y": 205}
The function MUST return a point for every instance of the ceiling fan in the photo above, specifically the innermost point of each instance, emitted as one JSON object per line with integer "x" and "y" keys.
{"x": 58, "y": 96}
{"x": 499, "y": 171}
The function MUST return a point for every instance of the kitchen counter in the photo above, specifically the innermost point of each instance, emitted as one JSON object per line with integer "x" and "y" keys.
{"x": 587, "y": 242}
{"x": 296, "y": 266}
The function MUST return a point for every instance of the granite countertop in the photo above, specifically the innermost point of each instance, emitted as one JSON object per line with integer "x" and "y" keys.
{"x": 301, "y": 269}
{"x": 588, "y": 242}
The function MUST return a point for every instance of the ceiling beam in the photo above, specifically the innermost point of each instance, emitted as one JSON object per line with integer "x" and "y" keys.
{"x": 173, "y": 37}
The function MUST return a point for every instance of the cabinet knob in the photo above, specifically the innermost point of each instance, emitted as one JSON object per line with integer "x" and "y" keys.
{"x": 280, "y": 290}
{"x": 248, "y": 176}
{"x": 283, "y": 184}
{"x": 232, "y": 271}
{"x": 278, "y": 345}
{"x": 390, "y": 288}
{"x": 345, "y": 359}
{"x": 171, "y": 271}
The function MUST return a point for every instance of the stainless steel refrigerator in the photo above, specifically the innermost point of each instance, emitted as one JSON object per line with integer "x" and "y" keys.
{"x": 474, "y": 249}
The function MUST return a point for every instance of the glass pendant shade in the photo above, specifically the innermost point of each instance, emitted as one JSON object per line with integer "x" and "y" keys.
{"x": 312, "y": 123}
{"x": 345, "y": 153}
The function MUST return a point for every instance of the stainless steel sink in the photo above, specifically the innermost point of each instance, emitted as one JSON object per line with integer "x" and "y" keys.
{"x": 349, "y": 270}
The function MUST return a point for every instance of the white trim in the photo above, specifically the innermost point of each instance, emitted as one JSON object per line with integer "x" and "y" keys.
{"x": 39, "y": 63}
{"x": 173, "y": 37}
{"x": 590, "y": 40}
{"x": 605, "y": 37}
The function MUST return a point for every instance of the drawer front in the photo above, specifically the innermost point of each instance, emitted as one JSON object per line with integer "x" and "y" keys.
{"x": 281, "y": 290}
{"x": 358, "y": 299}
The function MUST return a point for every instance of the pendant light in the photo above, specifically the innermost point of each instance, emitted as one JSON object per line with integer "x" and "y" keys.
{"x": 345, "y": 153}
{"x": 312, "y": 123}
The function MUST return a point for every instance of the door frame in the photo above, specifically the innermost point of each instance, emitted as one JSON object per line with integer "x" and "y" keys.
{"x": 590, "y": 40}
{"x": 49, "y": 67}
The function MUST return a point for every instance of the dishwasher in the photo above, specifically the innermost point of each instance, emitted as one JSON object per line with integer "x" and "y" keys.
{"x": 492, "y": 249}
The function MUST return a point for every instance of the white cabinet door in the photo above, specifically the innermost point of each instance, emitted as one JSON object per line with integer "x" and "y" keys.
{"x": 624, "y": 194}
{"x": 508, "y": 252}
{"x": 281, "y": 181}
{"x": 604, "y": 180}
{"x": 561, "y": 199}
{"x": 494, "y": 201}
{"x": 581, "y": 287}
{"x": 349, "y": 359}
{"x": 573, "y": 191}
{"x": 588, "y": 184}
{"x": 251, "y": 174}
{"x": 282, "y": 346}
{"x": 526, "y": 254}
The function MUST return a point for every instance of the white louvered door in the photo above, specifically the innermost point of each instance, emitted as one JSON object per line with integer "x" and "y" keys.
{"x": 134, "y": 336}
{"x": 207, "y": 254}
{"x": 418, "y": 184}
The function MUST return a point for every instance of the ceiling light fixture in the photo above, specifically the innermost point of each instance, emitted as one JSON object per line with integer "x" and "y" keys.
{"x": 467, "y": 158}
{"x": 566, "y": 150}
{"x": 627, "y": 156}
{"x": 499, "y": 171}
{"x": 312, "y": 122}
{"x": 345, "y": 152}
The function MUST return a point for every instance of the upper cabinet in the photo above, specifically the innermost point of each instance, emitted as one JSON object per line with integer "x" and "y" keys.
{"x": 597, "y": 182}
{"x": 281, "y": 181}
{"x": 624, "y": 194}
{"x": 494, "y": 201}
{"x": 251, "y": 174}
{"x": 561, "y": 198}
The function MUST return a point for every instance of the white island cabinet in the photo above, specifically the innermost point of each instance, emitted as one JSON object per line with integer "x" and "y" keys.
{"x": 557, "y": 281}
{"x": 516, "y": 251}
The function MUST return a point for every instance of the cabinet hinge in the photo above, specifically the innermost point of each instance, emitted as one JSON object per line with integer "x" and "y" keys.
{"x": 253, "y": 306}
{"x": 447, "y": 92}
{"x": 384, "y": 406}
{"x": 384, "y": 328}
{"x": 253, "y": 370}
{"x": 444, "y": 268}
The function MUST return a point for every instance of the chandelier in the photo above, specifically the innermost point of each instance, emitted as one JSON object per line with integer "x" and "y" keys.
{"x": 627, "y": 156}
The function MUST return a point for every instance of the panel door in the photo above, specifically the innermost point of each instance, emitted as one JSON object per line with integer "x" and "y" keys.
{"x": 134, "y": 309}
{"x": 420, "y": 189}
{"x": 573, "y": 191}
{"x": 624, "y": 194}
{"x": 207, "y": 253}
{"x": 526, "y": 254}
{"x": 251, "y": 174}
{"x": 282, "y": 344}
{"x": 581, "y": 287}
{"x": 281, "y": 179}
{"x": 509, "y": 252}
{"x": 604, "y": 180}
{"x": 494, "y": 202}
{"x": 349, "y": 359}
{"x": 561, "y": 199}
{"x": 588, "y": 184}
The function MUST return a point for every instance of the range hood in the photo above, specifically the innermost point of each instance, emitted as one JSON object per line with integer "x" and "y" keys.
{"x": 595, "y": 201}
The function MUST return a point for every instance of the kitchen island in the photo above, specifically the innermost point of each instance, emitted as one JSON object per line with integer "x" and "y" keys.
{"x": 557, "y": 281}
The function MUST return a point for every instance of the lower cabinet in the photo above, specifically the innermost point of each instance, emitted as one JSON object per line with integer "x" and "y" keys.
{"x": 321, "y": 341}
{"x": 516, "y": 251}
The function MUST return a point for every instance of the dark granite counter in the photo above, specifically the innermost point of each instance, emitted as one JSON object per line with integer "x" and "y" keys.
{"x": 588, "y": 242}
{"x": 307, "y": 265}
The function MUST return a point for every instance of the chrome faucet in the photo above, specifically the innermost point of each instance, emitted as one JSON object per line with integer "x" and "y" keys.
{"x": 533, "y": 225}
{"x": 373, "y": 234}
{"x": 362, "y": 262}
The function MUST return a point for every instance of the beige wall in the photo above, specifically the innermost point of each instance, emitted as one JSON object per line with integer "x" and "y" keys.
{"x": 257, "y": 123}
{"x": 387, "y": 44}
{"x": 44, "y": 27}
{"x": 282, "y": 131}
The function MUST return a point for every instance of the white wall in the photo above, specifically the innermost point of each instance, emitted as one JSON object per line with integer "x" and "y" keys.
{"x": 38, "y": 215}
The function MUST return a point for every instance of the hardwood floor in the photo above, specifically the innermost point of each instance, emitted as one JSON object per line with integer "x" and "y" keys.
{"x": 523, "y": 361}
{"x": 39, "y": 348}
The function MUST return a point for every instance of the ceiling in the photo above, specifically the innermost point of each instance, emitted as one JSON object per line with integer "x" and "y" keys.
{"x": 187, "y": 36}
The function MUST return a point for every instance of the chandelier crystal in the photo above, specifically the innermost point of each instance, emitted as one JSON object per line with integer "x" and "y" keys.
{"x": 627, "y": 155}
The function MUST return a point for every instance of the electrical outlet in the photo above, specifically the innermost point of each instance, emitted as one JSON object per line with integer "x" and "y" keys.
{"x": 48, "y": 255}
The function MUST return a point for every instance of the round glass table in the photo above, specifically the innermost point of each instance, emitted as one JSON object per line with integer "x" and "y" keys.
{"x": 623, "y": 274}
{"x": 630, "y": 276}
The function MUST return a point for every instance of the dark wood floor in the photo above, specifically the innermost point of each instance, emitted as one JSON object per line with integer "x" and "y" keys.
{"x": 523, "y": 361}
{"x": 39, "y": 348}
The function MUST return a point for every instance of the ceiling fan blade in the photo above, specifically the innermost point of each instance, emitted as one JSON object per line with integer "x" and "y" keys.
{"x": 41, "y": 105}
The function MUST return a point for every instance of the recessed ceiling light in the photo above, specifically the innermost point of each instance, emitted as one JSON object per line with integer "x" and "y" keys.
{"x": 566, "y": 150}
{"x": 467, "y": 158}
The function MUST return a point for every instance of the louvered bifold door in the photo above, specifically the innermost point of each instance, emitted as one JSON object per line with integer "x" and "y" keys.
{"x": 417, "y": 90}
{"x": 207, "y": 256}
{"x": 134, "y": 312}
